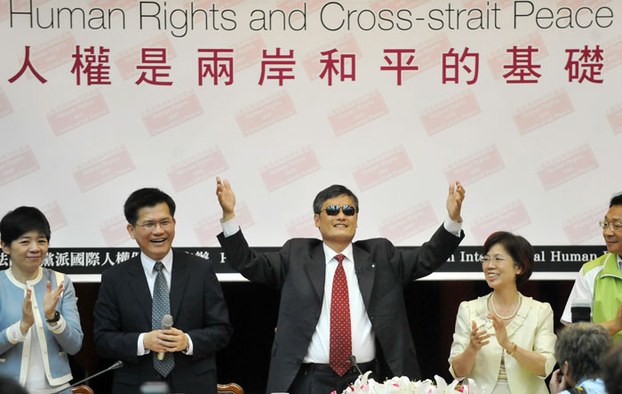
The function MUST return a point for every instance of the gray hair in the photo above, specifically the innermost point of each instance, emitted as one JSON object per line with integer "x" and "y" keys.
{"x": 583, "y": 345}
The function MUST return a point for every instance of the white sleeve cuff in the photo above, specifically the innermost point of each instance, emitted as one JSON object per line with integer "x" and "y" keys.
{"x": 452, "y": 227}
{"x": 14, "y": 334}
{"x": 140, "y": 346}
{"x": 230, "y": 227}
{"x": 190, "y": 350}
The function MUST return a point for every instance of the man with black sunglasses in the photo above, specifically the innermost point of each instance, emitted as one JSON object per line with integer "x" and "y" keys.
{"x": 342, "y": 303}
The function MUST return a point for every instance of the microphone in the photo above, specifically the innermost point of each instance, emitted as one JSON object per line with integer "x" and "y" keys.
{"x": 116, "y": 365}
{"x": 581, "y": 311}
{"x": 167, "y": 323}
{"x": 355, "y": 365}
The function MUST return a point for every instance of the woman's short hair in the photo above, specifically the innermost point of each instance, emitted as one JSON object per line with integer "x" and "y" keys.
{"x": 519, "y": 249}
{"x": 583, "y": 345}
{"x": 22, "y": 220}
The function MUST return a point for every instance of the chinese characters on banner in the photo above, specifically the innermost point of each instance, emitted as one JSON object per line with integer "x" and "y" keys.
{"x": 464, "y": 259}
{"x": 91, "y": 66}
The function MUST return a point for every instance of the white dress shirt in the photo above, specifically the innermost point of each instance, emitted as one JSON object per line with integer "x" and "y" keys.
{"x": 150, "y": 274}
{"x": 363, "y": 345}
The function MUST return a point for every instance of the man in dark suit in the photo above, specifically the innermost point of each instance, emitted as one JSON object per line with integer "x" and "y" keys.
{"x": 323, "y": 322}
{"x": 134, "y": 296}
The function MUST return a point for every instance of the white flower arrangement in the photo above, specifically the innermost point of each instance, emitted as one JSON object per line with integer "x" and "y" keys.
{"x": 403, "y": 385}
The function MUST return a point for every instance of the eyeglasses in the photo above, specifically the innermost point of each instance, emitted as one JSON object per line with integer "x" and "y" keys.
{"x": 151, "y": 225}
{"x": 333, "y": 210}
{"x": 497, "y": 259}
{"x": 615, "y": 226}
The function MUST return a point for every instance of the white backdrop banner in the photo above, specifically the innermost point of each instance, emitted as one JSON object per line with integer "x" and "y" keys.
{"x": 395, "y": 99}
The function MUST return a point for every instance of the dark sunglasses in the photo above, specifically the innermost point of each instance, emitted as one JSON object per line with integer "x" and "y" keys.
{"x": 333, "y": 210}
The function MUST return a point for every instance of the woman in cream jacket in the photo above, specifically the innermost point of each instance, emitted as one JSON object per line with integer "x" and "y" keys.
{"x": 504, "y": 341}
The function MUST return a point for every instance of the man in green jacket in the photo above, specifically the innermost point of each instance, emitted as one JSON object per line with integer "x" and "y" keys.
{"x": 600, "y": 280}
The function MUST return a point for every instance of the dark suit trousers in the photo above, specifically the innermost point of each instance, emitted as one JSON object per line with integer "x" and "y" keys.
{"x": 320, "y": 379}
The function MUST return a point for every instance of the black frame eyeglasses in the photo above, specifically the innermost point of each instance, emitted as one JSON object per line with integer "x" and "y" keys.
{"x": 333, "y": 210}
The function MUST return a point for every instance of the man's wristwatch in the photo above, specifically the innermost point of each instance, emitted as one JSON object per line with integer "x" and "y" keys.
{"x": 55, "y": 319}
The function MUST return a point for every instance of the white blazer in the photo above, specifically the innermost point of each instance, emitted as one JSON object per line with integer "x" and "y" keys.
{"x": 531, "y": 328}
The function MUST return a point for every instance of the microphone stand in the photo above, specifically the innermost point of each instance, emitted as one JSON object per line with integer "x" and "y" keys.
{"x": 116, "y": 365}
{"x": 355, "y": 365}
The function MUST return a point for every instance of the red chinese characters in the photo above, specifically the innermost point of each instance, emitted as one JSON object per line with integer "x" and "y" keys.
{"x": 94, "y": 64}
{"x": 155, "y": 71}
{"x": 454, "y": 63}
{"x": 27, "y": 65}
{"x": 522, "y": 69}
{"x": 587, "y": 65}
{"x": 395, "y": 62}
{"x": 344, "y": 66}
{"x": 216, "y": 66}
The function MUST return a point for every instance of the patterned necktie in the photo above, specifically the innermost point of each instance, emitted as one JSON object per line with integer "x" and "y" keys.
{"x": 161, "y": 306}
{"x": 340, "y": 332}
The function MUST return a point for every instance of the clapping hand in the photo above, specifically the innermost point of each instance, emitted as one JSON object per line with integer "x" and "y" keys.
{"x": 28, "y": 318}
{"x": 500, "y": 331}
{"x": 51, "y": 297}
{"x": 479, "y": 337}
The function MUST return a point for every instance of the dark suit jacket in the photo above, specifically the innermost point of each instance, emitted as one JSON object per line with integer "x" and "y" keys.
{"x": 123, "y": 311}
{"x": 298, "y": 271}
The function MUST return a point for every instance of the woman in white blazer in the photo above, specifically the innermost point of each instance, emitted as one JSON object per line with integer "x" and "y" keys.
{"x": 504, "y": 341}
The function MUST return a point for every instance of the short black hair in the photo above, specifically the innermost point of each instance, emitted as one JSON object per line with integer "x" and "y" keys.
{"x": 332, "y": 192}
{"x": 22, "y": 220}
{"x": 519, "y": 249}
{"x": 146, "y": 197}
{"x": 616, "y": 200}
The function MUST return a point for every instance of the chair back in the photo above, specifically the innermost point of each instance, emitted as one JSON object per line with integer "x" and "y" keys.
{"x": 230, "y": 388}
{"x": 82, "y": 389}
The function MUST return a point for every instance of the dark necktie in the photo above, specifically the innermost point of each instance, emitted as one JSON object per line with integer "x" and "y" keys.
{"x": 340, "y": 332}
{"x": 161, "y": 306}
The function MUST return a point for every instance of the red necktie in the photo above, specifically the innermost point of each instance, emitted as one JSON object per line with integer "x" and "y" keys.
{"x": 340, "y": 332}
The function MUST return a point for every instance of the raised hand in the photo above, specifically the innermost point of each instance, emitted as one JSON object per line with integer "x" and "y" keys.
{"x": 454, "y": 201}
{"x": 558, "y": 382}
{"x": 226, "y": 198}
